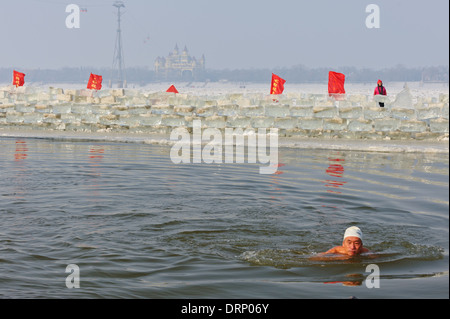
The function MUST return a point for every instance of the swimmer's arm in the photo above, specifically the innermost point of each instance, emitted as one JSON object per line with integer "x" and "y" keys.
{"x": 334, "y": 250}
{"x": 369, "y": 254}
{"x": 321, "y": 256}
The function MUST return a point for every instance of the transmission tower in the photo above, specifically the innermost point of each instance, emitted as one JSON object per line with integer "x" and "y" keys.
{"x": 118, "y": 65}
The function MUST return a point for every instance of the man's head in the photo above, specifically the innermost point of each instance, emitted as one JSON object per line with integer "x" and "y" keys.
{"x": 353, "y": 241}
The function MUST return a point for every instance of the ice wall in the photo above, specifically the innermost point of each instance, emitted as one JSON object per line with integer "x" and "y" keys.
{"x": 309, "y": 115}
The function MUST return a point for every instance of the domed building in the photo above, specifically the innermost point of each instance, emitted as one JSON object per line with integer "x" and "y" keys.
{"x": 179, "y": 66}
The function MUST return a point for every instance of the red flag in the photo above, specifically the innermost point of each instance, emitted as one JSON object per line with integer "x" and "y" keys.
{"x": 95, "y": 82}
{"x": 336, "y": 83}
{"x": 18, "y": 78}
{"x": 277, "y": 86}
{"x": 172, "y": 89}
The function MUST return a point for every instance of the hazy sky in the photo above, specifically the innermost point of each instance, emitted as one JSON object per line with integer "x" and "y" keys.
{"x": 232, "y": 34}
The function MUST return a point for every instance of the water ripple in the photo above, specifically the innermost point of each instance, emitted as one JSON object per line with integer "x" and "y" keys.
{"x": 140, "y": 226}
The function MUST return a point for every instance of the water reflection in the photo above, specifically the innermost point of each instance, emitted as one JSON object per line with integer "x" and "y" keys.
{"x": 21, "y": 150}
{"x": 96, "y": 152}
{"x": 335, "y": 169}
{"x": 351, "y": 280}
{"x": 275, "y": 179}
{"x": 96, "y": 155}
{"x": 21, "y": 171}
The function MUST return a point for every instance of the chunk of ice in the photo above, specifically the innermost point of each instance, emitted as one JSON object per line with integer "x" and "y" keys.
{"x": 404, "y": 99}
{"x": 310, "y": 124}
{"x": 277, "y": 110}
{"x": 352, "y": 112}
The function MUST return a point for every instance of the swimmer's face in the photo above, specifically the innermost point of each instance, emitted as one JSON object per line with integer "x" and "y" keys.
{"x": 352, "y": 245}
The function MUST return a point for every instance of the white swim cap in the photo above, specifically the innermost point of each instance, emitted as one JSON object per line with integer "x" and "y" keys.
{"x": 353, "y": 231}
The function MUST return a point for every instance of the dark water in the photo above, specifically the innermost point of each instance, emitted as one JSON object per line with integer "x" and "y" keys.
{"x": 139, "y": 226}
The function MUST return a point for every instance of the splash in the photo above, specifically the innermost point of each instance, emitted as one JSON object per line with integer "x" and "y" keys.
{"x": 384, "y": 253}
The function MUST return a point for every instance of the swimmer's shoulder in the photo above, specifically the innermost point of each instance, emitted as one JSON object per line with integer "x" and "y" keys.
{"x": 336, "y": 250}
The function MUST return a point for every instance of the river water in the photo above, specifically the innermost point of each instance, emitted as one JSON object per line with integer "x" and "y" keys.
{"x": 139, "y": 226}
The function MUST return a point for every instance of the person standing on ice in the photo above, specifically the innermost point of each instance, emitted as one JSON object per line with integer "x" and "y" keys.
{"x": 380, "y": 90}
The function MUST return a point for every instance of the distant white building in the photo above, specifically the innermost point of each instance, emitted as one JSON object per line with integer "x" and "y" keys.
{"x": 178, "y": 66}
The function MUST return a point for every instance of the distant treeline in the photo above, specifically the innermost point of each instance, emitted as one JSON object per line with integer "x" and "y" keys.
{"x": 302, "y": 74}
{"x": 296, "y": 74}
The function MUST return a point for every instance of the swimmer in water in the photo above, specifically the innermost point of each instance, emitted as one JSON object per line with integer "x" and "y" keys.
{"x": 352, "y": 245}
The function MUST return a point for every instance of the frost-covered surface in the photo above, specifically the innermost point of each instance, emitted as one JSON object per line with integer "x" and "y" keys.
{"x": 305, "y": 112}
